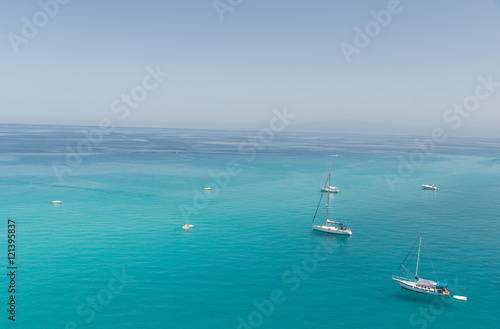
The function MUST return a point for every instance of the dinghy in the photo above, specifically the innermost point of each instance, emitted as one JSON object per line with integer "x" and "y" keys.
{"x": 460, "y": 297}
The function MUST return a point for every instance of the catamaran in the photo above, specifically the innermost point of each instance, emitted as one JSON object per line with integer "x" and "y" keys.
{"x": 414, "y": 283}
{"x": 330, "y": 226}
{"x": 328, "y": 188}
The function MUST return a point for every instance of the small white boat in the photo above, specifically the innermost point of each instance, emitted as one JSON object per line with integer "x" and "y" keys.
{"x": 56, "y": 202}
{"x": 208, "y": 188}
{"x": 429, "y": 187}
{"x": 186, "y": 227}
{"x": 416, "y": 284}
{"x": 460, "y": 297}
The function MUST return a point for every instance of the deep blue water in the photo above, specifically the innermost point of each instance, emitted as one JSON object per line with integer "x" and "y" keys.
{"x": 125, "y": 198}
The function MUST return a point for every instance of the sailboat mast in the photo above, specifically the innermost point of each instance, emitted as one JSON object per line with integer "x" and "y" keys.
{"x": 418, "y": 257}
{"x": 328, "y": 195}
{"x": 329, "y": 175}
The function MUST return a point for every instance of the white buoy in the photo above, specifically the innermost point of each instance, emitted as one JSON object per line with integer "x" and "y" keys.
{"x": 460, "y": 297}
{"x": 56, "y": 202}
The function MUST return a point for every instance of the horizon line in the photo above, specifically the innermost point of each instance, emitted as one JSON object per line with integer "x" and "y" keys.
{"x": 248, "y": 130}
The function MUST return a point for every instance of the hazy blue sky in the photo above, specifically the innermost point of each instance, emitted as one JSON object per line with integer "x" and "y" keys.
{"x": 264, "y": 54}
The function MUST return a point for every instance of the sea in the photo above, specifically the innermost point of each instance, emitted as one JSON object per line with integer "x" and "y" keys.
{"x": 113, "y": 253}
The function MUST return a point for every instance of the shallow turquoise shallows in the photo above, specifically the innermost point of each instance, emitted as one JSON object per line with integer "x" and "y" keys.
{"x": 113, "y": 254}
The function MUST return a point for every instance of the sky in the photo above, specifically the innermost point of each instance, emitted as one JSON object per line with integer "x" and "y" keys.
{"x": 400, "y": 66}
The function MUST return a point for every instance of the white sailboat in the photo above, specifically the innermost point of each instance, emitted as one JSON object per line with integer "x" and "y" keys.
{"x": 328, "y": 188}
{"x": 416, "y": 284}
{"x": 330, "y": 226}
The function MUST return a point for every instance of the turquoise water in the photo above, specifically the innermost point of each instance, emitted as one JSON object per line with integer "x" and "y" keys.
{"x": 251, "y": 259}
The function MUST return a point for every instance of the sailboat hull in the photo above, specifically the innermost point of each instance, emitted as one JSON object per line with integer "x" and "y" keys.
{"x": 330, "y": 189}
{"x": 412, "y": 286}
{"x": 331, "y": 230}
